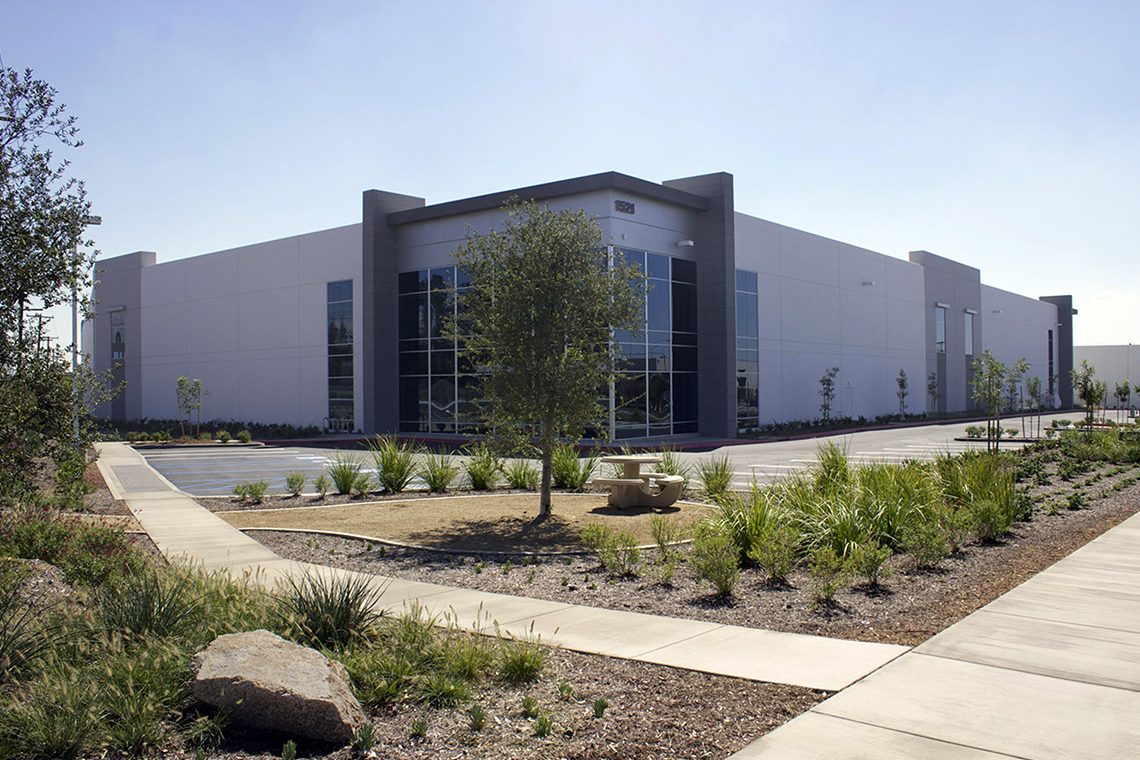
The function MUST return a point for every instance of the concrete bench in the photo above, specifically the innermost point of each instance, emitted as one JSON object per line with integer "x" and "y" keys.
{"x": 650, "y": 489}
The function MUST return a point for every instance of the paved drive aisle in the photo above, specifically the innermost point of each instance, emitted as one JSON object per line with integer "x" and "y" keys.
{"x": 182, "y": 528}
{"x": 1049, "y": 670}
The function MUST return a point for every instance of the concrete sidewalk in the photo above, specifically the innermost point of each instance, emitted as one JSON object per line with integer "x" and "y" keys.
{"x": 1049, "y": 670}
{"x": 183, "y": 529}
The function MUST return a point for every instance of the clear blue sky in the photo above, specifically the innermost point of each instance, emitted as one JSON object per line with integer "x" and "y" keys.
{"x": 1004, "y": 135}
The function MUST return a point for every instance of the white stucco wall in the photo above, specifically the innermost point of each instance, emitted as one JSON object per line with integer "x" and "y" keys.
{"x": 823, "y": 303}
{"x": 1113, "y": 365}
{"x": 251, "y": 323}
{"x": 1015, "y": 327}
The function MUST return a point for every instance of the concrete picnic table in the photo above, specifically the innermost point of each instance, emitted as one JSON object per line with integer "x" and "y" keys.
{"x": 640, "y": 489}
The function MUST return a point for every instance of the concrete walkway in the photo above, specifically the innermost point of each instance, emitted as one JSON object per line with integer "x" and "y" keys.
{"x": 1049, "y": 670}
{"x": 183, "y": 529}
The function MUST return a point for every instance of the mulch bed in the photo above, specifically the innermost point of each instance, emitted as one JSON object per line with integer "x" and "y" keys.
{"x": 908, "y": 608}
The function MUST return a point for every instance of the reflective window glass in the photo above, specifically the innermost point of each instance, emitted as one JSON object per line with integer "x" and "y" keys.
{"x": 340, "y": 366}
{"x": 657, "y": 266}
{"x": 684, "y": 307}
{"x": 413, "y": 316}
{"x": 340, "y": 291}
{"x": 684, "y": 396}
{"x": 413, "y": 362}
{"x": 658, "y": 305}
{"x": 443, "y": 278}
{"x": 413, "y": 282}
{"x": 684, "y": 271}
{"x": 940, "y": 329}
{"x": 747, "y": 324}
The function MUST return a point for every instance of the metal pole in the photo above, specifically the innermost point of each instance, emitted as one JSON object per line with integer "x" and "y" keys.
{"x": 88, "y": 221}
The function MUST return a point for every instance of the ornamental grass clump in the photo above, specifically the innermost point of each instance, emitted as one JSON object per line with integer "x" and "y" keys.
{"x": 330, "y": 611}
{"x": 568, "y": 470}
{"x": 483, "y": 467}
{"x": 522, "y": 475}
{"x": 439, "y": 472}
{"x": 395, "y": 462}
{"x": 617, "y": 551}
{"x": 344, "y": 471}
{"x": 715, "y": 475}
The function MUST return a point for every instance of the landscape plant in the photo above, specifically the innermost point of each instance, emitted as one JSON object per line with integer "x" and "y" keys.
{"x": 716, "y": 475}
{"x": 438, "y": 472}
{"x": 344, "y": 471}
{"x": 322, "y": 485}
{"x": 903, "y": 390}
{"x": 1088, "y": 389}
{"x": 521, "y": 475}
{"x": 988, "y": 386}
{"x": 395, "y": 462}
{"x": 828, "y": 572}
{"x": 827, "y": 392}
{"x": 189, "y": 396}
{"x": 252, "y": 491}
{"x": 294, "y": 483}
{"x": 483, "y": 467}
{"x": 714, "y": 556}
{"x": 568, "y": 470}
{"x": 1122, "y": 394}
{"x": 545, "y": 293}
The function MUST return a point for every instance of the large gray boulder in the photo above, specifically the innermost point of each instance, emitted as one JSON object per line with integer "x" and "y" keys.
{"x": 264, "y": 681}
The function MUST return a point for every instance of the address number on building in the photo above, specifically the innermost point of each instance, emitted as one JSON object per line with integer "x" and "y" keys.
{"x": 625, "y": 207}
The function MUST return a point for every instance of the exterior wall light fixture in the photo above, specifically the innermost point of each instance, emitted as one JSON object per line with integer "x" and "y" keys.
{"x": 685, "y": 243}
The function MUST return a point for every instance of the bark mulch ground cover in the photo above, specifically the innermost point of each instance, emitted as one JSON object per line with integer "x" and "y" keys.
{"x": 909, "y": 606}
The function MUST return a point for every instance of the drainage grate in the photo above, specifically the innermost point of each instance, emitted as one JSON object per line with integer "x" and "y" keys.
{"x": 138, "y": 478}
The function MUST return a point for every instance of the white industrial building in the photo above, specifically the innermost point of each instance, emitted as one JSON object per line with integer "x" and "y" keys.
{"x": 340, "y": 328}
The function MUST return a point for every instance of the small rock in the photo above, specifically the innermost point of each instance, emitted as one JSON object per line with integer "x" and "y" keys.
{"x": 264, "y": 681}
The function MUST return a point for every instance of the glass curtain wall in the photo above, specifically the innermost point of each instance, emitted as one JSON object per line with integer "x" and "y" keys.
{"x": 435, "y": 378}
{"x": 655, "y": 392}
{"x": 341, "y": 407}
{"x": 747, "y": 352}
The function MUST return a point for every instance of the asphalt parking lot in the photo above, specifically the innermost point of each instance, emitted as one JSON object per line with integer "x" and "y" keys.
{"x": 214, "y": 471}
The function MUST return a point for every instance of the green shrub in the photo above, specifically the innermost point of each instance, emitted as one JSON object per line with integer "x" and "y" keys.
{"x": 522, "y": 475}
{"x": 926, "y": 542}
{"x": 378, "y": 677}
{"x": 442, "y": 690}
{"x": 956, "y": 525}
{"x": 1076, "y": 501}
{"x": 244, "y": 436}
{"x": 715, "y": 475}
{"x": 439, "y": 472}
{"x": 330, "y": 611}
{"x": 832, "y": 472}
{"x": 617, "y": 551}
{"x": 476, "y": 718}
{"x": 466, "y": 657}
{"x": 344, "y": 470}
{"x": 54, "y": 716}
{"x": 600, "y": 705}
{"x": 975, "y": 431}
{"x": 419, "y": 727}
{"x": 529, "y": 707}
{"x": 483, "y": 467}
{"x": 224, "y": 436}
{"x": 322, "y": 484}
{"x": 153, "y": 601}
{"x": 252, "y": 491}
{"x": 364, "y": 738}
{"x": 543, "y": 725}
{"x": 294, "y": 483}
{"x": 87, "y": 553}
{"x": 868, "y": 561}
{"x": 362, "y": 485}
{"x": 395, "y": 462}
{"x": 991, "y": 518}
{"x": 715, "y": 557}
{"x": 289, "y": 750}
{"x": 568, "y": 471}
{"x": 828, "y": 574}
{"x": 667, "y": 534}
{"x": 776, "y": 550}
{"x": 25, "y": 636}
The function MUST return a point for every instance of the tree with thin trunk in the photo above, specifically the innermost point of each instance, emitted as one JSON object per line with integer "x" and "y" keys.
{"x": 537, "y": 321}
{"x": 903, "y": 391}
{"x": 989, "y": 391}
{"x": 827, "y": 392}
{"x": 1087, "y": 388}
{"x": 1123, "y": 394}
{"x": 932, "y": 391}
{"x": 1033, "y": 388}
{"x": 1014, "y": 374}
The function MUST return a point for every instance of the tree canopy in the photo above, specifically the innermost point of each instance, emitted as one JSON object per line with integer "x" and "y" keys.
{"x": 536, "y": 322}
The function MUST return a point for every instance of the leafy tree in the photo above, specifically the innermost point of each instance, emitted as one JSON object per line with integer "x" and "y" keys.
{"x": 903, "y": 391}
{"x": 827, "y": 392}
{"x": 1087, "y": 388}
{"x": 1036, "y": 401}
{"x": 536, "y": 322}
{"x": 1016, "y": 400}
{"x": 42, "y": 216}
{"x": 932, "y": 391}
{"x": 1123, "y": 394}
{"x": 988, "y": 391}
{"x": 189, "y": 393}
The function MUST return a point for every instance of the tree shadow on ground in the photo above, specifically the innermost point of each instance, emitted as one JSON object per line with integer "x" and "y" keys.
{"x": 633, "y": 511}
{"x": 506, "y": 535}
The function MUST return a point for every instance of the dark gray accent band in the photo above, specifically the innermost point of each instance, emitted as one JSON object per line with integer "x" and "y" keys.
{"x": 1063, "y": 347}
{"x": 562, "y": 188}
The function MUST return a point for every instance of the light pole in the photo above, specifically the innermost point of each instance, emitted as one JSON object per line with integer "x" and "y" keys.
{"x": 88, "y": 221}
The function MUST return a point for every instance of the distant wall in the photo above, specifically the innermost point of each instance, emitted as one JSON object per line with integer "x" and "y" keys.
{"x": 1113, "y": 364}
{"x": 823, "y": 303}
{"x": 251, "y": 322}
{"x": 1016, "y": 327}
